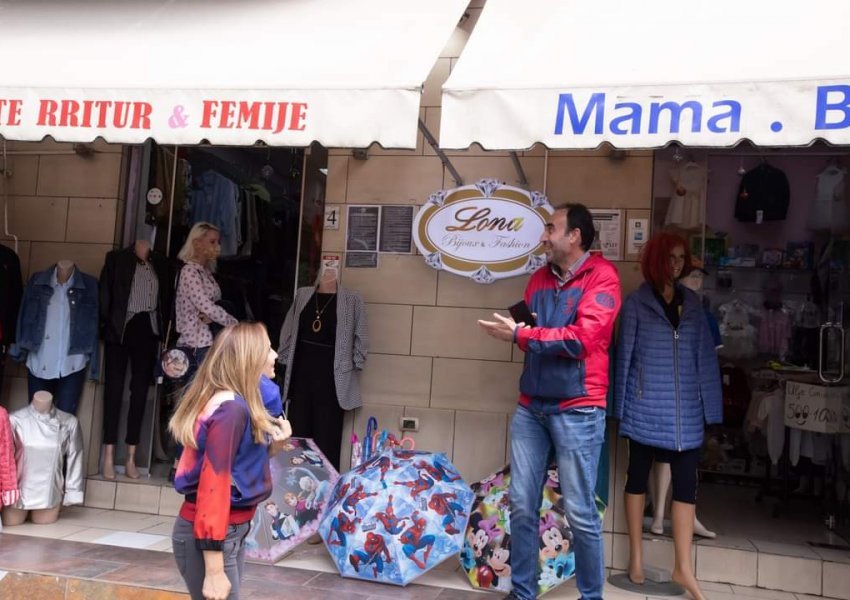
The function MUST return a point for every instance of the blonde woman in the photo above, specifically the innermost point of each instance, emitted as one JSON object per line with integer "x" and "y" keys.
{"x": 227, "y": 436}
{"x": 198, "y": 292}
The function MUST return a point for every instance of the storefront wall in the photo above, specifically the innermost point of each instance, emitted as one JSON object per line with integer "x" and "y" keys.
{"x": 62, "y": 205}
{"x": 428, "y": 357}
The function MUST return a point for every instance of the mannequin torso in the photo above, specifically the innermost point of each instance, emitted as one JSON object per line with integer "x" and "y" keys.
{"x": 43, "y": 403}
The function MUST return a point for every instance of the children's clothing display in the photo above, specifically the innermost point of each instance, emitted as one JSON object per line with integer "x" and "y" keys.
{"x": 49, "y": 452}
{"x": 774, "y": 332}
{"x": 687, "y": 202}
{"x": 830, "y": 210}
{"x": 771, "y": 412}
{"x": 805, "y": 336}
{"x": 739, "y": 335}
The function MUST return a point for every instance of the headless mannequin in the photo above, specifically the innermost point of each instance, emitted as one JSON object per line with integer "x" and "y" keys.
{"x": 660, "y": 479}
{"x": 42, "y": 402}
{"x": 682, "y": 515}
{"x": 64, "y": 270}
{"x": 142, "y": 249}
{"x": 328, "y": 281}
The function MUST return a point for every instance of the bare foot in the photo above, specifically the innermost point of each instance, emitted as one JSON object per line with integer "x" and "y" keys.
{"x": 689, "y": 582}
{"x": 108, "y": 467}
{"x": 130, "y": 470}
{"x": 636, "y": 574}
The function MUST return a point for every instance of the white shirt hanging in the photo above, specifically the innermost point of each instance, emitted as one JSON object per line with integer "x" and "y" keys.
{"x": 830, "y": 210}
{"x": 687, "y": 202}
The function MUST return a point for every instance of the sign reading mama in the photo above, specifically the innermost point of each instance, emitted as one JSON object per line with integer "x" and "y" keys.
{"x": 485, "y": 231}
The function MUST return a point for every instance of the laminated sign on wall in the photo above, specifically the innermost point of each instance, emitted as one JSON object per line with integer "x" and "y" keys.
{"x": 486, "y": 231}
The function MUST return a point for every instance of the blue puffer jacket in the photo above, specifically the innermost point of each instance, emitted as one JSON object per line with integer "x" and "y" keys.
{"x": 667, "y": 384}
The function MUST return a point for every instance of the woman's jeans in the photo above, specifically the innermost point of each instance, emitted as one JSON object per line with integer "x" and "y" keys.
{"x": 190, "y": 560}
{"x": 574, "y": 438}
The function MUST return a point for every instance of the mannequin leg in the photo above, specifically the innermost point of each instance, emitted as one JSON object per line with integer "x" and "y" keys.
{"x": 660, "y": 489}
{"x": 141, "y": 344}
{"x": 108, "y": 461}
{"x": 682, "y": 515}
{"x": 635, "y": 504}
{"x": 14, "y": 516}
{"x": 45, "y": 516}
{"x": 701, "y": 530}
{"x": 68, "y": 391}
{"x": 130, "y": 469}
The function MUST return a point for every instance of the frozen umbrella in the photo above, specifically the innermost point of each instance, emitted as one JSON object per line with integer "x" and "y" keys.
{"x": 302, "y": 480}
{"x": 486, "y": 554}
{"x": 396, "y": 516}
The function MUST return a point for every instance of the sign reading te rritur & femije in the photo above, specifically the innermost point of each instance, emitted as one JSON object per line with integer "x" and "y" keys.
{"x": 486, "y": 231}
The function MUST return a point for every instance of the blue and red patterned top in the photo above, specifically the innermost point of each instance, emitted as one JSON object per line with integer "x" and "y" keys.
{"x": 227, "y": 476}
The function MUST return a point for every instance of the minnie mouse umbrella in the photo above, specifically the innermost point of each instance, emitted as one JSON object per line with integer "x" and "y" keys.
{"x": 486, "y": 554}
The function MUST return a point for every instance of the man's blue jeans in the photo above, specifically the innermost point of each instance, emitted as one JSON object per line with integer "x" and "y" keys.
{"x": 574, "y": 438}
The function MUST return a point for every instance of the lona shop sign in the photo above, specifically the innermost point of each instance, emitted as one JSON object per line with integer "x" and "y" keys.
{"x": 486, "y": 231}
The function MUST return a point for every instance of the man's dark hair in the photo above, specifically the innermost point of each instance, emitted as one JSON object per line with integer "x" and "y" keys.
{"x": 578, "y": 217}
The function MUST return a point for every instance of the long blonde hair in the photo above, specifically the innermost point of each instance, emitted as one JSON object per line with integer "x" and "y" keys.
{"x": 199, "y": 229}
{"x": 234, "y": 363}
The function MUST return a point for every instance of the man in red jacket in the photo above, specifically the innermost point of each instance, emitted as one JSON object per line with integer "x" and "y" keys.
{"x": 561, "y": 414}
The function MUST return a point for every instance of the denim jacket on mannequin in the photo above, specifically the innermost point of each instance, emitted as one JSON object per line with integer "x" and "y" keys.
{"x": 32, "y": 317}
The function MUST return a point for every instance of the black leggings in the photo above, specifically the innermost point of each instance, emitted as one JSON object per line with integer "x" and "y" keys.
{"x": 683, "y": 470}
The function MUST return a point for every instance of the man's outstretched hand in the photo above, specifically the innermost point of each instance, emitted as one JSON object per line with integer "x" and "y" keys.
{"x": 502, "y": 328}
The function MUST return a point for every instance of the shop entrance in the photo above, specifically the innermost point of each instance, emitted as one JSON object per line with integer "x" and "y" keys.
{"x": 268, "y": 205}
{"x": 771, "y": 227}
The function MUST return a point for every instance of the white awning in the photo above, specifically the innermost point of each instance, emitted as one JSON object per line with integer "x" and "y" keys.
{"x": 344, "y": 73}
{"x": 639, "y": 74}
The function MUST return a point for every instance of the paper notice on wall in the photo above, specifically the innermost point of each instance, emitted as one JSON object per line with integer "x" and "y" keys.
{"x": 331, "y": 261}
{"x": 637, "y": 235}
{"x": 609, "y": 233}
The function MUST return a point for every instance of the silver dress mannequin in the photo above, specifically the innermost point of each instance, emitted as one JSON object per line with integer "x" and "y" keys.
{"x": 49, "y": 451}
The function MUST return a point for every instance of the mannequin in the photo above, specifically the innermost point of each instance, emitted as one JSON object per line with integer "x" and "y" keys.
{"x": 131, "y": 296}
{"x": 43, "y": 433}
{"x": 323, "y": 344}
{"x": 661, "y": 477}
{"x": 56, "y": 333}
{"x": 667, "y": 388}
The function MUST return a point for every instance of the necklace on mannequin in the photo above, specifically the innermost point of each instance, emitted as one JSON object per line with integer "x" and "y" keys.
{"x": 317, "y": 323}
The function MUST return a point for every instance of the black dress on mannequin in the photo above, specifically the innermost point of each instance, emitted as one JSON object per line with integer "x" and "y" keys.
{"x": 314, "y": 411}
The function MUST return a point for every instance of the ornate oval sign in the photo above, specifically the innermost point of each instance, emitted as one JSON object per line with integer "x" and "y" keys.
{"x": 485, "y": 231}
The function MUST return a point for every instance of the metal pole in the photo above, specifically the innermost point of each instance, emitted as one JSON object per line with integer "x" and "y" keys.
{"x": 436, "y": 147}
{"x": 171, "y": 204}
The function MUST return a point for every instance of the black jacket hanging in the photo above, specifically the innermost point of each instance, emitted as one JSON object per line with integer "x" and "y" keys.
{"x": 116, "y": 282}
{"x": 11, "y": 290}
{"x": 763, "y": 195}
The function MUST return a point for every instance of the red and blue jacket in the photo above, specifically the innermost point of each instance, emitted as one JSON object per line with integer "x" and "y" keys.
{"x": 566, "y": 354}
{"x": 227, "y": 476}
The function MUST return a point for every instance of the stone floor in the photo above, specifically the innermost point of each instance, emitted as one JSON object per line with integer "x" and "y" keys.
{"x": 122, "y": 538}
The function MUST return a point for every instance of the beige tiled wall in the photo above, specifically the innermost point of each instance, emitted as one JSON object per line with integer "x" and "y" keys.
{"x": 428, "y": 357}
{"x": 62, "y": 206}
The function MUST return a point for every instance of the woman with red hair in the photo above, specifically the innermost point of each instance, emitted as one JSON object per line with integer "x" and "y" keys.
{"x": 667, "y": 387}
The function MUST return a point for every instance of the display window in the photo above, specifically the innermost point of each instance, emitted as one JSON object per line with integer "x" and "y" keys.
{"x": 771, "y": 231}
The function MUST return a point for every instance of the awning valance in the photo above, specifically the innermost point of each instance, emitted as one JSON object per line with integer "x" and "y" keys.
{"x": 287, "y": 72}
{"x": 576, "y": 73}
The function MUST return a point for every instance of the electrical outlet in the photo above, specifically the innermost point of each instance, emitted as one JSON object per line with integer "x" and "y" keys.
{"x": 409, "y": 424}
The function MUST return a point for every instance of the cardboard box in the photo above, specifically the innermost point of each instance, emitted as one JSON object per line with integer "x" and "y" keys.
{"x": 816, "y": 408}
